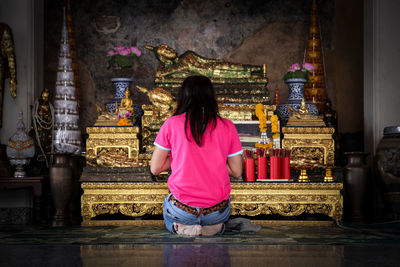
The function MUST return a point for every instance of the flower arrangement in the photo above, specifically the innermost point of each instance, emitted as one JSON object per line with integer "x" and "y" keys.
{"x": 261, "y": 117}
{"x": 122, "y": 58}
{"x": 299, "y": 71}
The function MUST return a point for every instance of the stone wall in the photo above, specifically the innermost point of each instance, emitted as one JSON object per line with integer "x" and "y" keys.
{"x": 253, "y": 32}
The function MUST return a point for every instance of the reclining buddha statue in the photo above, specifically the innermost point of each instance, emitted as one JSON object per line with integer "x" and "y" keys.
{"x": 234, "y": 83}
{"x": 190, "y": 63}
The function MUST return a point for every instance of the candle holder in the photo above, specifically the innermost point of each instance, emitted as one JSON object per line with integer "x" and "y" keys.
{"x": 303, "y": 177}
{"x": 249, "y": 165}
{"x": 328, "y": 174}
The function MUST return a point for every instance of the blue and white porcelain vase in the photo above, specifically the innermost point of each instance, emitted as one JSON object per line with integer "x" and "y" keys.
{"x": 296, "y": 94}
{"x": 120, "y": 86}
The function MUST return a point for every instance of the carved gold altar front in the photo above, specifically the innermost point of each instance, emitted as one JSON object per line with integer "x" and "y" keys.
{"x": 313, "y": 142}
{"x": 136, "y": 199}
{"x": 115, "y": 141}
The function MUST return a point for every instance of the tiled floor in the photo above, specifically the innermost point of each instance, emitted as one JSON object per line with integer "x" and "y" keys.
{"x": 350, "y": 245}
{"x": 200, "y": 255}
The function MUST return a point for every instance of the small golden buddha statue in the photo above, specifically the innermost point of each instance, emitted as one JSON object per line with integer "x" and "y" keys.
{"x": 190, "y": 63}
{"x": 302, "y": 117}
{"x": 303, "y": 108}
{"x": 126, "y": 102}
{"x": 126, "y": 111}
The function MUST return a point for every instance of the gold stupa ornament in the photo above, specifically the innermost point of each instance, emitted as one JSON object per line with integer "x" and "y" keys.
{"x": 315, "y": 90}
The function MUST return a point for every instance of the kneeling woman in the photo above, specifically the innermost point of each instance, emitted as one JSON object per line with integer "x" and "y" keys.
{"x": 202, "y": 150}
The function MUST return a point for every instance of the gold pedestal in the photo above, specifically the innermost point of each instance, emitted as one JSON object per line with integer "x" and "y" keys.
{"x": 314, "y": 143}
{"x": 121, "y": 141}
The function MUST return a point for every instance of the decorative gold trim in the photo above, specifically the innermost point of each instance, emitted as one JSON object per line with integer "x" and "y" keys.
{"x": 310, "y": 142}
{"x": 308, "y": 130}
{"x": 265, "y": 223}
{"x": 135, "y": 199}
{"x": 106, "y": 129}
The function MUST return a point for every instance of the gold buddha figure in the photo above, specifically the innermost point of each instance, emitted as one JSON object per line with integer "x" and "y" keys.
{"x": 190, "y": 63}
{"x": 126, "y": 102}
{"x": 302, "y": 117}
{"x": 303, "y": 108}
{"x": 126, "y": 111}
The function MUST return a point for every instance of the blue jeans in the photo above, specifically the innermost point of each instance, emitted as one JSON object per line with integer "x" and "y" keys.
{"x": 173, "y": 214}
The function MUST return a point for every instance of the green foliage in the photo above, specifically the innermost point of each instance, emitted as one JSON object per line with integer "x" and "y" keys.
{"x": 122, "y": 61}
{"x": 296, "y": 74}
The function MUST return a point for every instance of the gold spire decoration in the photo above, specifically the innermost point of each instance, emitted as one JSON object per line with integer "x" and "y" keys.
{"x": 277, "y": 99}
{"x": 315, "y": 90}
{"x": 72, "y": 45}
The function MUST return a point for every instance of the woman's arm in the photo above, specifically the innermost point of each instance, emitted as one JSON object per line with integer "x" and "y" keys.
{"x": 234, "y": 165}
{"x": 160, "y": 161}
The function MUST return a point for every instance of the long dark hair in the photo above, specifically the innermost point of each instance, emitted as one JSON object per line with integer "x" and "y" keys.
{"x": 197, "y": 98}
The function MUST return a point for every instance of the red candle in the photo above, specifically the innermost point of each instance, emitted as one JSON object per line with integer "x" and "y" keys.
{"x": 249, "y": 170}
{"x": 285, "y": 168}
{"x": 262, "y": 168}
{"x": 275, "y": 168}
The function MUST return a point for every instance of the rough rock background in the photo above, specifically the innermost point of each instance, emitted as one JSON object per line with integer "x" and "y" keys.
{"x": 273, "y": 32}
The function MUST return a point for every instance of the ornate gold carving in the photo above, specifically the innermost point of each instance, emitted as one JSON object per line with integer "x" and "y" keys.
{"x": 20, "y": 145}
{"x": 311, "y": 142}
{"x": 112, "y": 130}
{"x": 115, "y": 146}
{"x": 152, "y": 120}
{"x": 7, "y": 62}
{"x": 302, "y": 117}
{"x": 287, "y": 199}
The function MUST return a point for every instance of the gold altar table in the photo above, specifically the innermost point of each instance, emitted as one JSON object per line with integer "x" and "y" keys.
{"x": 135, "y": 199}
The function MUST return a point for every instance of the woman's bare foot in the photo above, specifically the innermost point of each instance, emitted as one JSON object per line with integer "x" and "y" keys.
{"x": 190, "y": 230}
{"x": 209, "y": 230}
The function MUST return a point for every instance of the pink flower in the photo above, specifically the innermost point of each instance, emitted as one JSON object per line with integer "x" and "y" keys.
{"x": 122, "y": 57}
{"x": 120, "y": 48}
{"x": 295, "y": 66}
{"x": 124, "y": 52}
{"x": 309, "y": 67}
{"x": 135, "y": 50}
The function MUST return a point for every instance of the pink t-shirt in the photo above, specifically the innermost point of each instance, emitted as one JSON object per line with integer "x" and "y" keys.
{"x": 199, "y": 175}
